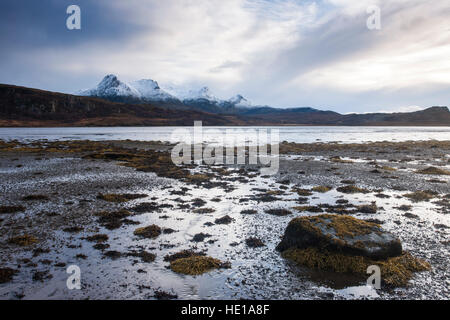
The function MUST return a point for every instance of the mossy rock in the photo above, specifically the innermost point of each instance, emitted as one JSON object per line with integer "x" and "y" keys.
{"x": 73, "y": 229}
{"x": 112, "y": 215}
{"x": 321, "y": 189}
{"x": 119, "y": 198}
{"x": 278, "y": 212}
{"x": 199, "y": 237}
{"x": 275, "y": 192}
{"x": 368, "y": 208}
{"x": 196, "y": 265}
{"x": 197, "y": 178}
{"x": 224, "y": 220}
{"x": 254, "y": 242}
{"x": 204, "y": 210}
{"x": 115, "y": 219}
{"x": 387, "y": 168}
{"x": 249, "y": 212}
{"x": 182, "y": 254}
{"x": 302, "y": 192}
{"x": 341, "y": 234}
{"x": 434, "y": 171}
{"x": 420, "y": 196}
{"x": 23, "y": 240}
{"x": 145, "y": 256}
{"x": 6, "y": 274}
{"x": 98, "y": 238}
{"x": 11, "y": 209}
{"x": 350, "y": 189}
{"x": 150, "y": 232}
{"x": 315, "y": 209}
{"x": 35, "y": 197}
{"x": 395, "y": 271}
{"x": 338, "y": 159}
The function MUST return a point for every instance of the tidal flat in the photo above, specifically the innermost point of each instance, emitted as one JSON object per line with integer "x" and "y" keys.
{"x": 140, "y": 227}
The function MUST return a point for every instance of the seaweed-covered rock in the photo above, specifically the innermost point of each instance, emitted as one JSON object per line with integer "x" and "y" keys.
{"x": 34, "y": 197}
{"x": 278, "y": 212}
{"x": 144, "y": 255}
{"x": 11, "y": 209}
{"x": 420, "y": 196}
{"x": 150, "y": 232}
{"x": 395, "y": 272}
{"x": 163, "y": 295}
{"x": 342, "y": 234}
{"x": 6, "y": 274}
{"x": 351, "y": 189}
{"x": 434, "y": 171}
{"x": 98, "y": 238}
{"x": 23, "y": 240}
{"x": 196, "y": 265}
{"x": 254, "y": 242}
{"x": 115, "y": 219}
{"x": 114, "y": 197}
{"x": 183, "y": 254}
{"x": 224, "y": 220}
{"x": 199, "y": 237}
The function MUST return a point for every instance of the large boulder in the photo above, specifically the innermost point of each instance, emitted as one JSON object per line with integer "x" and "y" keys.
{"x": 341, "y": 234}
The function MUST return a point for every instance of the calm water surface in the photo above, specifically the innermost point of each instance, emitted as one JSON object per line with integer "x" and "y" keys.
{"x": 290, "y": 134}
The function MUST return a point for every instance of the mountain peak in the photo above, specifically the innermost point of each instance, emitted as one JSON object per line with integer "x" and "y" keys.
{"x": 202, "y": 93}
{"x": 145, "y": 90}
{"x": 109, "y": 81}
{"x": 148, "y": 83}
{"x": 239, "y": 101}
{"x": 110, "y": 76}
{"x": 150, "y": 90}
{"x": 189, "y": 94}
{"x": 110, "y": 86}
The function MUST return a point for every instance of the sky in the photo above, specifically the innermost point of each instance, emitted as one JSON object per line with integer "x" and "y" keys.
{"x": 282, "y": 53}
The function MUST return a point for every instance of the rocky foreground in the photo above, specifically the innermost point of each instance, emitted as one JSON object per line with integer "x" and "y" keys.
{"x": 140, "y": 227}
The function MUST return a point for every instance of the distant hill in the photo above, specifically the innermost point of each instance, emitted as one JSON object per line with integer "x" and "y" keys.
{"x": 434, "y": 116}
{"x": 20, "y": 107}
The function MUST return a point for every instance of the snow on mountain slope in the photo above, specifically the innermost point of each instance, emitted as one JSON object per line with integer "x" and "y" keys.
{"x": 112, "y": 87}
{"x": 240, "y": 102}
{"x": 204, "y": 93}
{"x": 148, "y": 90}
{"x": 185, "y": 94}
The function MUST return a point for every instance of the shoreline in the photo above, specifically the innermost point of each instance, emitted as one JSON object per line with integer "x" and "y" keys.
{"x": 268, "y": 125}
{"x": 97, "y": 123}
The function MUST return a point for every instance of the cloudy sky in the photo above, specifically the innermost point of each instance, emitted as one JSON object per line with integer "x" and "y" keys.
{"x": 282, "y": 53}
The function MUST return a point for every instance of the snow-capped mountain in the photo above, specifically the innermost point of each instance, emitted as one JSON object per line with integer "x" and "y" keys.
{"x": 204, "y": 93}
{"x": 150, "y": 90}
{"x": 112, "y": 88}
{"x": 147, "y": 90}
{"x": 184, "y": 93}
{"x": 240, "y": 102}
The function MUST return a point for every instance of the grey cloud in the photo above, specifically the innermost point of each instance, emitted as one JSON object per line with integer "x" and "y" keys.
{"x": 227, "y": 65}
{"x": 31, "y": 24}
{"x": 341, "y": 38}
